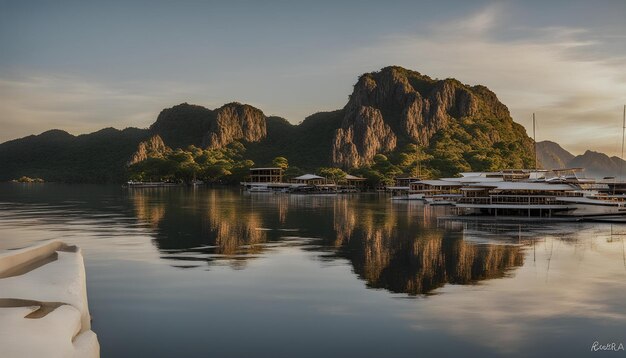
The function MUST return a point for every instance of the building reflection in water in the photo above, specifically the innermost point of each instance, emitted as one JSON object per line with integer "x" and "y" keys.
{"x": 394, "y": 246}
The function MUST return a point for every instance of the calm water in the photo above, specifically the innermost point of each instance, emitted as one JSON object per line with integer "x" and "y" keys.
{"x": 180, "y": 272}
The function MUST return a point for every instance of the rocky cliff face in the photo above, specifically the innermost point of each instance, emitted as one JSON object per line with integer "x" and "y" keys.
{"x": 396, "y": 105}
{"x": 235, "y": 122}
{"x": 150, "y": 148}
{"x": 362, "y": 137}
{"x": 186, "y": 124}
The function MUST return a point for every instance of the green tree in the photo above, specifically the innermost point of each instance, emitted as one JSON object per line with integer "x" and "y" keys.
{"x": 292, "y": 172}
{"x": 239, "y": 171}
{"x": 280, "y": 162}
{"x": 211, "y": 165}
{"x": 374, "y": 178}
{"x": 335, "y": 174}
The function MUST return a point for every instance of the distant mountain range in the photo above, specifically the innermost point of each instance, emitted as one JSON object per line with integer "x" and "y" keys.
{"x": 595, "y": 164}
{"x": 56, "y": 155}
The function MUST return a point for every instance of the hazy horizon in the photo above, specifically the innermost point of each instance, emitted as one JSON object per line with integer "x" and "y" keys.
{"x": 81, "y": 67}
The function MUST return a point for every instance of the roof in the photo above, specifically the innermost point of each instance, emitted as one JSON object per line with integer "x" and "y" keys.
{"x": 506, "y": 172}
{"x": 438, "y": 182}
{"x": 472, "y": 179}
{"x": 276, "y": 168}
{"x": 477, "y": 174}
{"x": 575, "y": 169}
{"x": 352, "y": 177}
{"x": 308, "y": 177}
{"x": 518, "y": 185}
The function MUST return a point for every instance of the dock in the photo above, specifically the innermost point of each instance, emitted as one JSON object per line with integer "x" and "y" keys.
{"x": 614, "y": 219}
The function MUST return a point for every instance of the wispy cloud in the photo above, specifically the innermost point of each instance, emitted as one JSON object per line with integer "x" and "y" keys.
{"x": 36, "y": 103}
{"x": 476, "y": 24}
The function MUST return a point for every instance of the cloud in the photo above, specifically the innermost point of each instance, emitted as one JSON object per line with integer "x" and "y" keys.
{"x": 32, "y": 104}
{"x": 478, "y": 23}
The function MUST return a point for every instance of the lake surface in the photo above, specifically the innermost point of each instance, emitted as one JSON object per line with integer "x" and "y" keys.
{"x": 183, "y": 272}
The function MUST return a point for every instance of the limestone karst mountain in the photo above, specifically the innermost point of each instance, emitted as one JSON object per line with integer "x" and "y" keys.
{"x": 187, "y": 124}
{"x": 461, "y": 127}
{"x": 396, "y": 106}
{"x": 456, "y": 126}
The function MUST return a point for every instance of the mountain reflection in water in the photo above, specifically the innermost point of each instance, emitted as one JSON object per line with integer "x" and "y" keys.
{"x": 286, "y": 272}
{"x": 398, "y": 248}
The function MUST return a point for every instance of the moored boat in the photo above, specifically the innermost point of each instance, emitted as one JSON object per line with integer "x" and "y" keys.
{"x": 144, "y": 184}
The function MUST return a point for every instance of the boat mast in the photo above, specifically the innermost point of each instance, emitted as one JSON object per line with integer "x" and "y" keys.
{"x": 535, "y": 141}
{"x": 621, "y": 164}
{"x": 418, "y": 164}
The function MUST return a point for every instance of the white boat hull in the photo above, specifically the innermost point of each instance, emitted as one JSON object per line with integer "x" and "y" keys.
{"x": 408, "y": 197}
{"x": 586, "y": 206}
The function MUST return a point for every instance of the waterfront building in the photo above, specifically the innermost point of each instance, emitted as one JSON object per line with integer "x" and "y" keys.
{"x": 356, "y": 182}
{"x": 310, "y": 179}
{"x": 265, "y": 175}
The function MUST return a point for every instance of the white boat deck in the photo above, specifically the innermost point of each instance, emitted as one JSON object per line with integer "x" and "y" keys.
{"x": 43, "y": 303}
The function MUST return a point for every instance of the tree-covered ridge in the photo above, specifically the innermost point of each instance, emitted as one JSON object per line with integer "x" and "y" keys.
{"x": 307, "y": 145}
{"x": 229, "y": 165}
{"x": 222, "y": 165}
{"x": 478, "y": 144}
{"x": 56, "y": 155}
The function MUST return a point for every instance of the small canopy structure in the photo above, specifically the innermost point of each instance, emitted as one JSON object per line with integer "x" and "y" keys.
{"x": 310, "y": 179}
{"x": 307, "y": 177}
{"x": 352, "y": 177}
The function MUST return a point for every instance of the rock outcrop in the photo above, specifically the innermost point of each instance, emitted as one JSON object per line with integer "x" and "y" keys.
{"x": 152, "y": 147}
{"x": 360, "y": 140}
{"x": 235, "y": 122}
{"x": 186, "y": 124}
{"x": 396, "y": 105}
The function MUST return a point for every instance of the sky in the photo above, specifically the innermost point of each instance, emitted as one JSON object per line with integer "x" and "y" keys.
{"x": 84, "y": 65}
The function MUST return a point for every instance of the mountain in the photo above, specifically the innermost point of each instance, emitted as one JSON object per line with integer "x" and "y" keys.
{"x": 396, "y": 106}
{"x": 596, "y": 165}
{"x": 187, "y": 124}
{"x": 456, "y": 126}
{"x": 307, "y": 145}
{"x": 56, "y": 155}
{"x": 552, "y": 156}
{"x": 150, "y": 148}
{"x": 460, "y": 127}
